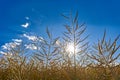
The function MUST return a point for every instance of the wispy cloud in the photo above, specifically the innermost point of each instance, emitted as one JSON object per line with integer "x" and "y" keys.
{"x": 25, "y": 25}
{"x": 7, "y": 47}
{"x": 31, "y": 46}
{"x": 17, "y": 40}
{"x": 13, "y": 44}
{"x": 33, "y": 38}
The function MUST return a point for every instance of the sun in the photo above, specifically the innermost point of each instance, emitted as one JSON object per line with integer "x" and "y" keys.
{"x": 70, "y": 48}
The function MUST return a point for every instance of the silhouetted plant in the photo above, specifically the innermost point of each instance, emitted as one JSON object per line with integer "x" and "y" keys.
{"x": 50, "y": 58}
{"x": 49, "y": 52}
{"x": 73, "y": 38}
{"x": 106, "y": 53}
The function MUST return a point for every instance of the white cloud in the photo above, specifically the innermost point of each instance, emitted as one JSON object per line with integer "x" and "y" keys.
{"x": 8, "y": 46}
{"x": 5, "y": 46}
{"x": 13, "y": 44}
{"x": 25, "y": 25}
{"x": 33, "y": 38}
{"x": 17, "y": 40}
{"x": 31, "y": 46}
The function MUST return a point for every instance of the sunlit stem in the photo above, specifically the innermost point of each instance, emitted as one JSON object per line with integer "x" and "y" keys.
{"x": 74, "y": 40}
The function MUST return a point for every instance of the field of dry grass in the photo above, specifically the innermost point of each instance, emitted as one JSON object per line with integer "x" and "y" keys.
{"x": 55, "y": 61}
{"x": 32, "y": 71}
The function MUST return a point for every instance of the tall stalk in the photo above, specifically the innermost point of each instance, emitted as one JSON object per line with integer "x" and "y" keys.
{"x": 73, "y": 34}
{"x": 106, "y": 53}
{"x": 49, "y": 52}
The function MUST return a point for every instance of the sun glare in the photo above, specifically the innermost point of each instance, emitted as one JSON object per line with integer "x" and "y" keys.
{"x": 70, "y": 48}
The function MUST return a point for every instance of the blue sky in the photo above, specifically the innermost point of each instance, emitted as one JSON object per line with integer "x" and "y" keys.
{"x": 97, "y": 14}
